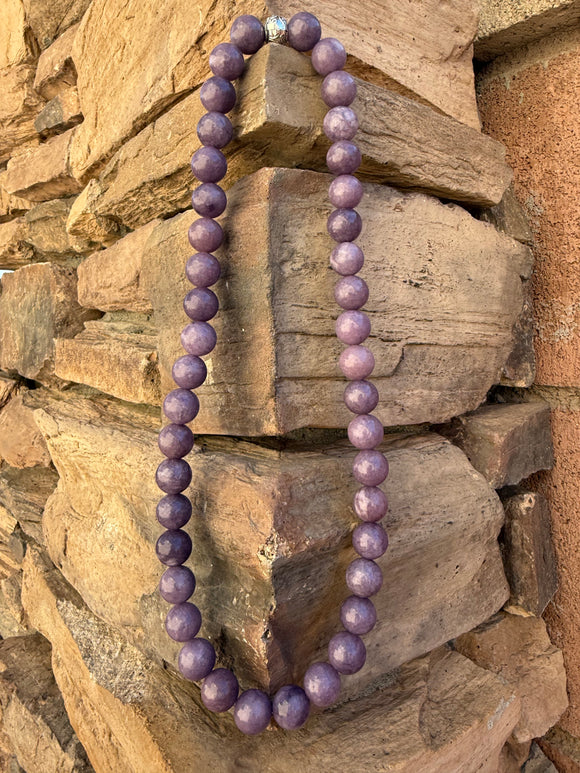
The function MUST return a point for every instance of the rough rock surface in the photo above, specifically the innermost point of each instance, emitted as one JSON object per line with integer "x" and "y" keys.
{"x": 21, "y": 444}
{"x": 56, "y": 72}
{"x": 51, "y": 18}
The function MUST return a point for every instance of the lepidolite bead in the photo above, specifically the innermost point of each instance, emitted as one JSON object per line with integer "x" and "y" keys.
{"x": 357, "y": 362}
{"x": 183, "y": 621}
{"x": 345, "y": 191}
{"x": 203, "y": 269}
{"x": 198, "y": 338}
{"x": 226, "y": 61}
{"x": 344, "y": 225}
{"x": 217, "y": 95}
{"x": 290, "y": 707}
{"x": 364, "y": 578}
{"x": 173, "y": 547}
{"x": 351, "y": 292}
{"x": 174, "y": 511}
{"x": 205, "y": 234}
{"x": 343, "y": 157}
{"x": 338, "y": 89}
{"x": 189, "y": 371}
{"x": 209, "y": 165}
{"x": 303, "y": 31}
{"x": 247, "y": 33}
{"x": 346, "y": 258}
{"x": 328, "y": 55}
{"x": 365, "y": 431}
{"x": 181, "y": 406}
{"x": 177, "y": 584}
{"x": 361, "y": 397}
{"x": 322, "y": 684}
{"x": 358, "y": 615}
{"x": 370, "y": 504}
{"x": 370, "y": 540}
{"x": 340, "y": 123}
{"x": 196, "y": 659}
{"x": 370, "y": 468}
{"x": 252, "y": 712}
{"x": 214, "y": 129}
{"x": 175, "y": 441}
{"x": 347, "y": 652}
{"x": 173, "y": 475}
{"x": 219, "y": 690}
{"x": 200, "y": 304}
{"x": 352, "y": 327}
{"x": 209, "y": 200}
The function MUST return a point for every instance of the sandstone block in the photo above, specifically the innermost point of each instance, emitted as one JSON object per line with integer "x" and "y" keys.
{"x": 505, "y": 442}
{"x": 441, "y": 712}
{"x": 430, "y": 366}
{"x": 40, "y": 297}
{"x": 21, "y": 444}
{"x": 85, "y": 225}
{"x": 56, "y": 72}
{"x": 509, "y": 216}
{"x": 51, "y": 18}
{"x": 16, "y": 44}
{"x": 538, "y": 762}
{"x": 13, "y": 618}
{"x": 61, "y": 113}
{"x": 563, "y": 749}
{"x": 8, "y": 387}
{"x": 117, "y": 356}
{"x": 520, "y": 651}
{"x": 23, "y": 496}
{"x": 11, "y": 206}
{"x": 520, "y": 367}
{"x": 44, "y": 172}
{"x": 14, "y": 249}
{"x": 19, "y": 106}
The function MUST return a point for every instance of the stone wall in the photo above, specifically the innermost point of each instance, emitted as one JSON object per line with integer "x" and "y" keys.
{"x": 98, "y": 110}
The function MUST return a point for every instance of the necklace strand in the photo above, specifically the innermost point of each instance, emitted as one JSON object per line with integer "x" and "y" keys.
{"x": 290, "y": 706}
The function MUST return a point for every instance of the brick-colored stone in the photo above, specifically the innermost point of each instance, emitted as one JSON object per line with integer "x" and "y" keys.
{"x": 563, "y": 749}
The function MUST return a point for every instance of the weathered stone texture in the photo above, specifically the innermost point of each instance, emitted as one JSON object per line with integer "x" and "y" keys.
{"x": 61, "y": 113}
{"x": 19, "y": 106}
{"x": 86, "y": 225}
{"x": 56, "y": 72}
{"x": 563, "y": 749}
{"x": 21, "y": 444}
{"x": 538, "y": 762}
{"x": 51, "y": 18}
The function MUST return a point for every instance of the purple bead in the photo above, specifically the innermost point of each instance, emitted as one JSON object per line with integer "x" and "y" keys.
{"x": 183, "y": 621}
{"x": 356, "y": 362}
{"x": 365, "y": 431}
{"x": 328, "y": 55}
{"x": 347, "y": 653}
{"x": 344, "y": 225}
{"x": 173, "y": 547}
{"x": 203, "y": 269}
{"x": 209, "y": 200}
{"x": 361, "y": 397}
{"x": 205, "y": 234}
{"x": 196, "y": 659}
{"x": 253, "y": 712}
{"x": 343, "y": 157}
{"x": 201, "y": 304}
{"x": 345, "y": 191}
{"x": 351, "y": 292}
{"x": 173, "y": 475}
{"x": 322, "y": 684}
{"x": 175, "y": 441}
{"x": 209, "y": 165}
{"x": 198, "y": 338}
{"x": 290, "y": 707}
{"x": 370, "y": 504}
{"x": 370, "y": 540}
{"x": 217, "y": 95}
{"x": 352, "y": 327}
{"x": 174, "y": 511}
{"x": 370, "y": 468}
{"x": 304, "y": 31}
{"x": 364, "y": 578}
{"x": 347, "y": 258}
{"x": 189, "y": 371}
{"x": 338, "y": 89}
{"x": 181, "y": 406}
{"x": 216, "y": 130}
{"x": 340, "y": 123}
{"x": 247, "y": 33}
{"x": 226, "y": 61}
{"x": 177, "y": 584}
{"x": 358, "y": 615}
{"x": 219, "y": 690}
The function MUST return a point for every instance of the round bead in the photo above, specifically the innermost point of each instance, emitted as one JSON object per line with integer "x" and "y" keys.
{"x": 217, "y": 95}
{"x": 175, "y": 441}
{"x": 253, "y": 712}
{"x": 173, "y": 547}
{"x": 209, "y": 165}
{"x": 304, "y": 31}
{"x": 174, "y": 511}
{"x": 215, "y": 129}
{"x": 338, "y": 89}
{"x": 351, "y": 292}
{"x": 358, "y": 615}
{"x": 328, "y": 55}
{"x": 290, "y": 707}
{"x": 247, "y": 33}
{"x": 357, "y": 362}
{"x": 209, "y": 200}
{"x": 200, "y": 304}
{"x": 205, "y": 234}
{"x": 322, "y": 684}
{"x": 226, "y": 61}
{"x": 198, "y": 338}
{"x": 365, "y": 431}
{"x": 183, "y": 621}
{"x": 203, "y": 269}
{"x": 340, "y": 123}
{"x": 196, "y": 659}
{"x": 173, "y": 475}
{"x": 181, "y": 406}
{"x": 352, "y": 327}
{"x": 343, "y": 157}
{"x": 346, "y": 652}
{"x": 361, "y": 397}
{"x": 364, "y": 578}
{"x": 370, "y": 540}
{"x": 219, "y": 690}
{"x": 345, "y": 191}
{"x": 347, "y": 258}
{"x": 189, "y": 371}
{"x": 344, "y": 225}
{"x": 177, "y": 584}
{"x": 370, "y": 468}
{"x": 370, "y": 504}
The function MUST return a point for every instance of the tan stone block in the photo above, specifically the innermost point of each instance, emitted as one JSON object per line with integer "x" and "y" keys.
{"x": 19, "y": 106}
{"x": 8, "y": 387}
{"x": 520, "y": 367}
{"x": 15, "y": 252}
{"x": 43, "y": 173}
{"x": 21, "y": 444}
{"x": 85, "y": 225}
{"x": 23, "y": 496}
{"x": 56, "y": 72}
{"x": 51, "y": 18}
{"x": 60, "y": 114}
{"x": 538, "y": 762}
{"x": 16, "y": 44}
{"x": 13, "y": 618}
{"x": 11, "y": 206}
{"x": 509, "y": 216}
